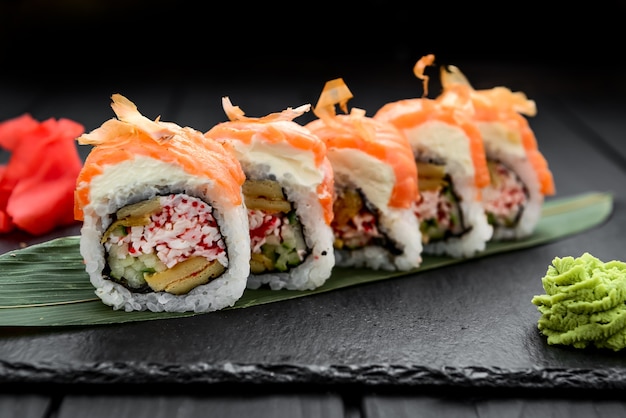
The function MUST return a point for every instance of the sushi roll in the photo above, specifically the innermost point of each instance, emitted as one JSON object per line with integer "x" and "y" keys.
{"x": 452, "y": 170}
{"x": 288, "y": 195}
{"x": 520, "y": 177}
{"x": 375, "y": 186}
{"x": 164, "y": 224}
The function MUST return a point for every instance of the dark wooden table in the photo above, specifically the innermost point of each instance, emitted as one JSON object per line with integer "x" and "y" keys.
{"x": 456, "y": 341}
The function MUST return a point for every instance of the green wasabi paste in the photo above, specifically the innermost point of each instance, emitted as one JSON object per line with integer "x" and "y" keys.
{"x": 585, "y": 303}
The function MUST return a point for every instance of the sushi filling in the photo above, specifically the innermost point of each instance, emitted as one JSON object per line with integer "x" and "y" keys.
{"x": 506, "y": 196}
{"x": 276, "y": 234}
{"x": 168, "y": 243}
{"x": 355, "y": 223}
{"x": 438, "y": 209}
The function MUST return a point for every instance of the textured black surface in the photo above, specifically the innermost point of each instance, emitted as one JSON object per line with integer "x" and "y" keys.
{"x": 369, "y": 377}
{"x": 448, "y": 327}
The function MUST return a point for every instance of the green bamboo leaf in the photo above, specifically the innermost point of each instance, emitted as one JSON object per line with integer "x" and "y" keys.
{"x": 46, "y": 284}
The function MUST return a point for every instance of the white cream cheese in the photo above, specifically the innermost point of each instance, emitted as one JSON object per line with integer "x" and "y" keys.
{"x": 447, "y": 142}
{"x": 119, "y": 183}
{"x": 499, "y": 139}
{"x": 282, "y": 159}
{"x": 376, "y": 180}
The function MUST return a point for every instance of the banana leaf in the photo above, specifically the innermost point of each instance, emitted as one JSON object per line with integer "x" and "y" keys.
{"x": 46, "y": 284}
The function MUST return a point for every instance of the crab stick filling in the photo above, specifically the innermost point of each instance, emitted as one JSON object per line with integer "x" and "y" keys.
{"x": 169, "y": 243}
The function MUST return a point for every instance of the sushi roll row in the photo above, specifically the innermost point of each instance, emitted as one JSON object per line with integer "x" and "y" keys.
{"x": 481, "y": 174}
{"x": 180, "y": 220}
{"x": 519, "y": 173}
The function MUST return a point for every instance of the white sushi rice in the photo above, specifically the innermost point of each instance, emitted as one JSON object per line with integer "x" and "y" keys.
{"x": 141, "y": 179}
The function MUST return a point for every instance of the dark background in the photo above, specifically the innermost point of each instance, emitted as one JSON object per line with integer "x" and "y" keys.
{"x": 88, "y": 41}
{"x": 468, "y": 325}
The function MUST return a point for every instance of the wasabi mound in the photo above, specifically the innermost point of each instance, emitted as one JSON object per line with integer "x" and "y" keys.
{"x": 584, "y": 304}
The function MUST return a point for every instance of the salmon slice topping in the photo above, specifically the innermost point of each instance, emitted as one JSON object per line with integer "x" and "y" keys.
{"x": 134, "y": 135}
{"x": 290, "y": 145}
